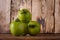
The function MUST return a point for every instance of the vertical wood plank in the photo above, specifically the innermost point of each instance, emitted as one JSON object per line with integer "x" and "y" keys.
{"x": 15, "y": 6}
{"x": 23, "y": 4}
{"x": 4, "y": 15}
{"x": 48, "y": 14}
{"x": 36, "y": 9}
{"x": 57, "y": 16}
{"x": 44, "y": 9}
{"x": 29, "y": 5}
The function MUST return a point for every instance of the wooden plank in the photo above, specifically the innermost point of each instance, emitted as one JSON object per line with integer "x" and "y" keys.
{"x": 57, "y": 16}
{"x": 15, "y": 6}
{"x": 4, "y": 15}
{"x": 36, "y": 9}
{"x": 29, "y": 5}
{"x": 48, "y": 15}
{"x": 40, "y": 37}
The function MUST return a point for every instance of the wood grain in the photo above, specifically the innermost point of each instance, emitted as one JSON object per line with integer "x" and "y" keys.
{"x": 40, "y": 37}
{"x": 36, "y": 9}
{"x": 29, "y": 5}
{"x": 47, "y": 15}
{"x": 4, "y": 15}
{"x": 15, "y": 6}
{"x": 57, "y": 16}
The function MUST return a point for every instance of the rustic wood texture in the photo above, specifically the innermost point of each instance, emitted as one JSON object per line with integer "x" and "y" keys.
{"x": 29, "y": 5}
{"x": 44, "y": 9}
{"x": 47, "y": 10}
{"x": 39, "y": 37}
{"x": 15, "y": 6}
{"x": 4, "y": 15}
{"x": 36, "y": 9}
{"x": 57, "y": 16}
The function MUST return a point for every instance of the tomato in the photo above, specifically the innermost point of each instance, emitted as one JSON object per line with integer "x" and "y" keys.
{"x": 18, "y": 28}
{"x": 24, "y": 15}
{"x": 33, "y": 28}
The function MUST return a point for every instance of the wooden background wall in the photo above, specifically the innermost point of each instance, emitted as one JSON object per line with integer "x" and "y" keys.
{"x": 47, "y": 10}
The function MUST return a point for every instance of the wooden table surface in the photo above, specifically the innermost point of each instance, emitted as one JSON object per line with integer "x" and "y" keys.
{"x": 38, "y": 37}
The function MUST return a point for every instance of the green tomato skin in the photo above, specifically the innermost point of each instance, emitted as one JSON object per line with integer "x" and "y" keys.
{"x": 24, "y": 15}
{"x": 34, "y": 30}
{"x": 17, "y": 20}
{"x": 18, "y": 29}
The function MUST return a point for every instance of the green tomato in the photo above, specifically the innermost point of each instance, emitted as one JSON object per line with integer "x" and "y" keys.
{"x": 18, "y": 28}
{"x": 24, "y": 15}
{"x": 33, "y": 28}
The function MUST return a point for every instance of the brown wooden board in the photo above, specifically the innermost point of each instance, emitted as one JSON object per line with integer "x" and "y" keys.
{"x": 57, "y": 16}
{"x": 4, "y": 15}
{"x": 15, "y": 6}
{"x": 47, "y": 14}
{"x": 38, "y": 37}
